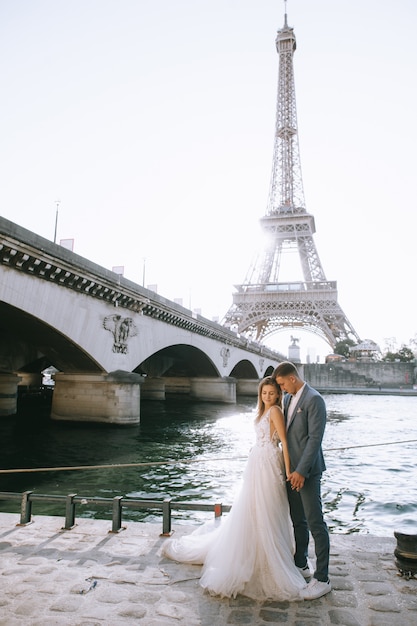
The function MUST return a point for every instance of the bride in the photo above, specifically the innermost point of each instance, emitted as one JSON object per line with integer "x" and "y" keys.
{"x": 250, "y": 551}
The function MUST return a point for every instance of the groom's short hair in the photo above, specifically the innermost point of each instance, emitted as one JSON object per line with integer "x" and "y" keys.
{"x": 286, "y": 368}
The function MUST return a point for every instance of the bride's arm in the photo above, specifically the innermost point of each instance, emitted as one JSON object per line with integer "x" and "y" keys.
{"x": 278, "y": 421}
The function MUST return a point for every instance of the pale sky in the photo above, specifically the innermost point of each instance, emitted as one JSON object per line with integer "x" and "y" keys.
{"x": 152, "y": 122}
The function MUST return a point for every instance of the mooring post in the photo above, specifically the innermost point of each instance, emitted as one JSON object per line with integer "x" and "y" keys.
{"x": 406, "y": 554}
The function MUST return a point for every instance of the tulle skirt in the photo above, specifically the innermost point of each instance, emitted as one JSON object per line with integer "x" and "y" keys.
{"x": 250, "y": 551}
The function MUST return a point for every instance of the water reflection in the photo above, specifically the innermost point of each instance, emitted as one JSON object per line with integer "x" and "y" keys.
{"x": 198, "y": 452}
{"x": 335, "y": 416}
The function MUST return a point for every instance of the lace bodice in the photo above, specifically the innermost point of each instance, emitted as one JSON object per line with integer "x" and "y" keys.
{"x": 262, "y": 431}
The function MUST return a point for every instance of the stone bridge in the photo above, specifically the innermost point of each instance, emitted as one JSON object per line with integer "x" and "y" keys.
{"x": 112, "y": 341}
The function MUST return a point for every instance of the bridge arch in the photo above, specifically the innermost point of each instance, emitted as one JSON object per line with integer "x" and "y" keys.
{"x": 28, "y": 340}
{"x": 244, "y": 369}
{"x": 178, "y": 360}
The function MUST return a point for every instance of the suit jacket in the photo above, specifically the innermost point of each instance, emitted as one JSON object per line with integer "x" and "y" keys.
{"x": 305, "y": 432}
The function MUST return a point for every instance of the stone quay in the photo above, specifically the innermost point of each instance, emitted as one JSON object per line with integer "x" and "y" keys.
{"x": 90, "y": 576}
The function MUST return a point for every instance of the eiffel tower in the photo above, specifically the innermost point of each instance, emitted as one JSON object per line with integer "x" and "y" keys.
{"x": 263, "y": 304}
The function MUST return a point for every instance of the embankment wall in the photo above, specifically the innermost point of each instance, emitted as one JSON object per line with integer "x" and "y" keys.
{"x": 360, "y": 374}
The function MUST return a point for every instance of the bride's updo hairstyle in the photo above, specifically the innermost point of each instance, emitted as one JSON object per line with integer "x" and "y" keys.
{"x": 261, "y": 406}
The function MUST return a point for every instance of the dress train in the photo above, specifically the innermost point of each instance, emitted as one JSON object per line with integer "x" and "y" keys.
{"x": 250, "y": 551}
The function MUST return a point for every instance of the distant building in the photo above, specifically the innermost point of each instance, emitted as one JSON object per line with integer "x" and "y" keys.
{"x": 334, "y": 358}
{"x": 367, "y": 350}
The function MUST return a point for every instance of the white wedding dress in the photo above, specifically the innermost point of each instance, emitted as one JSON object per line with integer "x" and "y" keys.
{"x": 250, "y": 551}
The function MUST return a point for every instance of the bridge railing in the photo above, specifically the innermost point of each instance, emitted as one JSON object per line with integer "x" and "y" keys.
{"x": 117, "y": 503}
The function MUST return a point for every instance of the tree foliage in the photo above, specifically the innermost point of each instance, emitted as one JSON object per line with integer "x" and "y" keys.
{"x": 404, "y": 355}
{"x": 342, "y": 347}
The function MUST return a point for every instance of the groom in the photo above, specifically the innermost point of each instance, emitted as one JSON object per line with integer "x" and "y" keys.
{"x": 305, "y": 414}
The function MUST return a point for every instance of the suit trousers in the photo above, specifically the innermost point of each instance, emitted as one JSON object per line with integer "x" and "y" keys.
{"x": 307, "y": 515}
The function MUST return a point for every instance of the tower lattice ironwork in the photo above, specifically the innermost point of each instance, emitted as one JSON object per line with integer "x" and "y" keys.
{"x": 263, "y": 304}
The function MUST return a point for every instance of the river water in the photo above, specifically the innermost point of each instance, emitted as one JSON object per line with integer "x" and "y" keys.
{"x": 370, "y": 484}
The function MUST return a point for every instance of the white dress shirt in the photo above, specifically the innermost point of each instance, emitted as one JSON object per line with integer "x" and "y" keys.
{"x": 293, "y": 403}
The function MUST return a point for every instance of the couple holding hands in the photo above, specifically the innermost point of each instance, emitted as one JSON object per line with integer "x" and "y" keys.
{"x": 260, "y": 549}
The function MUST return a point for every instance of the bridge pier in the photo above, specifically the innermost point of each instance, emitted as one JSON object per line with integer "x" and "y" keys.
{"x": 8, "y": 393}
{"x": 153, "y": 388}
{"x": 30, "y": 380}
{"x": 213, "y": 389}
{"x": 207, "y": 389}
{"x": 177, "y": 385}
{"x": 247, "y": 386}
{"x": 112, "y": 398}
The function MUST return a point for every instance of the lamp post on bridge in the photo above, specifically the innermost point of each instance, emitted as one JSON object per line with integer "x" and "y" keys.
{"x": 56, "y": 219}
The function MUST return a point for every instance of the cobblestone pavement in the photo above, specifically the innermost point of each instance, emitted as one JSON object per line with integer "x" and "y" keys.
{"x": 89, "y": 576}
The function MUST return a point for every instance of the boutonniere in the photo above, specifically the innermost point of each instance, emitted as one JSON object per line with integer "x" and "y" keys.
{"x": 300, "y": 410}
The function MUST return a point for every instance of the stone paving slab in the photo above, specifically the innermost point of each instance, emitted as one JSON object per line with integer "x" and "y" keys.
{"x": 89, "y": 576}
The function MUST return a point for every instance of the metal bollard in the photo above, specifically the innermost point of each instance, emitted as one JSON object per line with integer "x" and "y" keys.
{"x": 117, "y": 515}
{"x": 70, "y": 511}
{"x": 166, "y": 518}
{"x": 26, "y": 509}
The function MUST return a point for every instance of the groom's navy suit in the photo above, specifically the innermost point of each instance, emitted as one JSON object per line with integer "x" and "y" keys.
{"x": 305, "y": 431}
